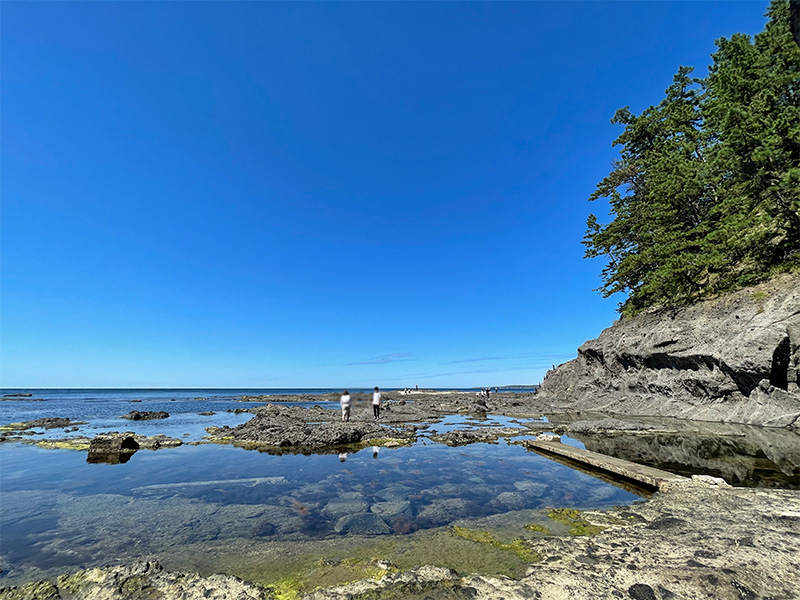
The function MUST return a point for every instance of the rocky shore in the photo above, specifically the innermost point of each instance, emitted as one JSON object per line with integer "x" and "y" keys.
{"x": 697, "y": 538}
{"x": 700, "y": 538}
{"x": 732, "y": 359}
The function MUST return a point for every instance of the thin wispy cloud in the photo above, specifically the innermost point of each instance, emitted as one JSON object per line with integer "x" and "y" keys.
{"x": 385, "y": 359}
{"x": 514, "y": 357}
{"x": 472, "y": 360}
{"x": 469, "y": 372}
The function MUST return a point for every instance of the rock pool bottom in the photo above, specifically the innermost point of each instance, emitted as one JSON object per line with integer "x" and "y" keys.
{"x": 263, "y": 517}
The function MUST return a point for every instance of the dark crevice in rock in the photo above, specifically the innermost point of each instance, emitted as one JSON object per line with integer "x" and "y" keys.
{"x": 745, "y": 382}
{"x": 779, "y": 375}
{"x": 665, "y": 343}
{"x": 593, "y": 355}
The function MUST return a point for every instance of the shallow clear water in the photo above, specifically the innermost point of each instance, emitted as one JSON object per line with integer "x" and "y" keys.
{"x": 60, "y": 513}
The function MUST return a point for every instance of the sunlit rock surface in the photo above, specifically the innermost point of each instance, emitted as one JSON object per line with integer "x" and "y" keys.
{"x": 734, "y": 359}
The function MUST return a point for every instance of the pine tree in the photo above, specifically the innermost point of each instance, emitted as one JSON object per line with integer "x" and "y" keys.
{"x": 706, "y": 194}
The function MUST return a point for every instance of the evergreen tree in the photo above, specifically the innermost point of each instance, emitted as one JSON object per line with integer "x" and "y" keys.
{"x": 706, "y": 193}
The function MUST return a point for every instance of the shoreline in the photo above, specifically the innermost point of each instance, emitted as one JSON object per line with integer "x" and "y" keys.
{"x": 701, "y": 536}
{"x": 694, "y": 538}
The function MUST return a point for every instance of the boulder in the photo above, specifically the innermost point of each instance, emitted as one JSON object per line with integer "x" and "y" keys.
{"x": 113, "y": 444}
{"x": 136, "y": 415}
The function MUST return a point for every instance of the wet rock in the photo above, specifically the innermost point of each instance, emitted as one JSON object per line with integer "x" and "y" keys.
{"x": 46, "y": 423}
{"x": 207, "y": 413}
{"x": 532, "y": 488}
{"x": 362, "y": 524}
{"x": 394, "y": 493}
{"x": 601, "y": 493}
{"x": 441, "y": 512}
{"x": 113, "y": 444}
{"x": 391, "y": 510}
{"x": 339, "y": 507}
{"x": 297, "y": 429}
{"x": 264, "y": 528}
{"x": 509, "y": 501}
{"x": 629, "y": 559}
{"x": 461, "y": 437}
{"x": 158, "y": 441}
{"x": 666, "y": 523}
{"x": 136, "y": 415}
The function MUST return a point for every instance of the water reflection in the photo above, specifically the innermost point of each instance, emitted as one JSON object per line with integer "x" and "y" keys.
{"x": 63, "y": 514}
{"x": 743, "y": 455}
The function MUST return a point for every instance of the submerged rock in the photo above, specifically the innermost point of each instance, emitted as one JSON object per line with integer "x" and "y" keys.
{"x": 392, "y": 510}
{"x": 339, "y": 507}
{"x": 362, "y": 524}
{"x": 696, "y": 538}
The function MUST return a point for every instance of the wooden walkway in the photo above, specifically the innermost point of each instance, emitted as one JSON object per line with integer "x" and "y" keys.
{"x": 641, "y": 474}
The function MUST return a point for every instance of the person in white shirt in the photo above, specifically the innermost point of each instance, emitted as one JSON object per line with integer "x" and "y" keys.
{"x": 345, "y": 402}
{"x": 376, "y": 403}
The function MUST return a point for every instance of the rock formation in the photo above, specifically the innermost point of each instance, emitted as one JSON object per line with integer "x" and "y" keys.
{"x": 734, "y": 359}
{"x": 136, "y": 415}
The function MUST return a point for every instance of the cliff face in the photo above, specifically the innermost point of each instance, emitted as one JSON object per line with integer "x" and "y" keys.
{"x": 734, "y": 359}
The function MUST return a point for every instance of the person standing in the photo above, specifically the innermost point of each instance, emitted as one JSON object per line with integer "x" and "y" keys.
{"x": 376, "y": 403}
{"x": 345, "y": 402}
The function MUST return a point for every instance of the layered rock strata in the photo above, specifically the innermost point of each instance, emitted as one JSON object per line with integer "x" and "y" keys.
{"x": 733, "y": 359}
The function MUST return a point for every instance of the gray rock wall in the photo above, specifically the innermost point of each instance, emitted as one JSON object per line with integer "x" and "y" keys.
{"x": 733, "y": 359}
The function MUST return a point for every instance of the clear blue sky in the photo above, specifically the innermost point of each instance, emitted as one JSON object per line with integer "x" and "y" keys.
{"x": 309, "y": 195}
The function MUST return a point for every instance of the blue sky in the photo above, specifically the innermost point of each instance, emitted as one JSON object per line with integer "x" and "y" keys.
{"x": 316, "y": 195}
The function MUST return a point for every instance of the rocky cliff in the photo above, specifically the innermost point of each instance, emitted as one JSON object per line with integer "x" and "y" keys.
{"x": 734, "y": 359}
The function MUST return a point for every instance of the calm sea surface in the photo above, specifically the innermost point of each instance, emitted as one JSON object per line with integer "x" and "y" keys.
{"x": 59, "y": 513}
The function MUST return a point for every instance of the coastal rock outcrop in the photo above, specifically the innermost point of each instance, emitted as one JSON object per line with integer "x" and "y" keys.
{"x": 735, "y": 359}
{"x": 45, "y": 423}
{"x": 144, "y": 579}
{"x": 145, "y": 415}
{"x": 281, "y": 429}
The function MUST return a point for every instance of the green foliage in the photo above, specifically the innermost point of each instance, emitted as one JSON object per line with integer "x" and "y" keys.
{"x": 705, "y": 196}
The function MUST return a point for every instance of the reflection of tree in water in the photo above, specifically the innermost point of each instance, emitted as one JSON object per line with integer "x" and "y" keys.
{"x": 749, "y": 456}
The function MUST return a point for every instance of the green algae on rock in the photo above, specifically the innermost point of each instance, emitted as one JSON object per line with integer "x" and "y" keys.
{"x": 571, "y": 517}
{"x": 516, "y": 546}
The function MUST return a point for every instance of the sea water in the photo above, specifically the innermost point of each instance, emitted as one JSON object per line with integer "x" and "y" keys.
{"x": 60, "y": 513}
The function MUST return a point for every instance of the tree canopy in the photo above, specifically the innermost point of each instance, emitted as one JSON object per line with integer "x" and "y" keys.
{"x": 705, "y": 195}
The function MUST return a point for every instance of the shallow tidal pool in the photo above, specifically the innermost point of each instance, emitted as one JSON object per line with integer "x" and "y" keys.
{"x": 212, "y": 508}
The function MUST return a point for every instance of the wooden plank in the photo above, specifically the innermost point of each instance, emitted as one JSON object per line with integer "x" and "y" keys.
{"x": 640, "y": 473}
